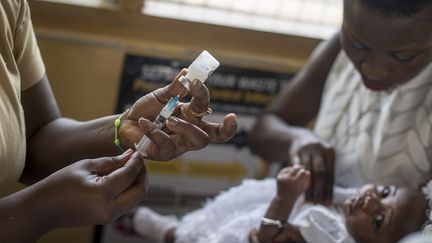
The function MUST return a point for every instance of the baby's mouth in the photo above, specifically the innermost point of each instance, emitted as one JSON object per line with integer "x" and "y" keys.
{"x": 353, "y": 204}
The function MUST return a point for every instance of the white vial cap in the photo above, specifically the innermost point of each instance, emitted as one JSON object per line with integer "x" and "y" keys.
{"x": 202, "y": 67}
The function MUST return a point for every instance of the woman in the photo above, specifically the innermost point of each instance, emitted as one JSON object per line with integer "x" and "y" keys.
{"x": 370, "y": 88}
{"x": 71, "y": 184}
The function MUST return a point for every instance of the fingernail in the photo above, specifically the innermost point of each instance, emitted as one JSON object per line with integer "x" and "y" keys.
{"x": 196, "y": 84}
{"x": 127, "y": 152}
{"x": 142, "y": 122}
{"x": 174, "y": 121}
{"x": 234, "y": 123}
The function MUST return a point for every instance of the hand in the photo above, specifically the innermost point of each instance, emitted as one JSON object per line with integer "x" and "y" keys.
{"x": 292, "y": 182}
{"x": 253, "y": 236}
{"x": 317, "y": 156}
{"x": 289, "y": 233}
{"x": 92, "y": 191}
{"x": 184, "y": 131}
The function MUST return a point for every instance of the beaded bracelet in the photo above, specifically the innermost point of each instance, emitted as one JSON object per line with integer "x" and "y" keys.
{"x": 117, "y": 123}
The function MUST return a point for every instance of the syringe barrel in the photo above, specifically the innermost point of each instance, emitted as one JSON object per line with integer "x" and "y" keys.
{"x": 159, "y": 122}
{"x": 143, "y": 145}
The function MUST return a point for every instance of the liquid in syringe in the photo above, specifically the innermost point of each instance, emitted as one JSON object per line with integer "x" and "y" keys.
{"x": 159, "y": 122}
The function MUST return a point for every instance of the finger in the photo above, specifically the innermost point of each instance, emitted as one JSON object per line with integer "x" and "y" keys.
{"x": 318, "y": 178}
{"x": 329, "y": 163}
{"x": 253, "y": 236}
{"x": 288, "y": 234}
{"x": 200, "y": 97}
{"x": 283, "y": 236}
{"x": 294, "y": 171}
{"x": 133, "y": 195}
{"x": 106, "y": 165}
{"x": 193, "y": 137}
{"x": 306, "y": 162}
{"x": 173, "y": 89}
{"x": 295, "y": 160}
{"x": 146, "y": 125}
{"x": 163, "y": 147}
{"x": 122, "y": 178}
{"x": 305, "y": 179}
{"x": 221, "y": 133}
{"x": 299, "y": 171}
{"x": 285, "y": 170}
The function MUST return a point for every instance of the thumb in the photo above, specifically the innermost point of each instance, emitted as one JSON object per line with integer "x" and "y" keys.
{"x": 106, "y": 165}
{"x": 281, "y": 237}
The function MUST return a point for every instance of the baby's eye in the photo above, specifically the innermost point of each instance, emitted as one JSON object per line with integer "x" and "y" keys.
{"x": 377, "y": 221}
{"x": 385, "y": 192}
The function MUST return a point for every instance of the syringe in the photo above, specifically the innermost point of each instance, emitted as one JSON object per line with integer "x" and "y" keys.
{"x": 168, "y": 109}
{"x": 202, "y": 67}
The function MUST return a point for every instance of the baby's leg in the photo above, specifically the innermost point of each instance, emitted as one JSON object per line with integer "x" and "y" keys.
{"x": 154, "y": 226}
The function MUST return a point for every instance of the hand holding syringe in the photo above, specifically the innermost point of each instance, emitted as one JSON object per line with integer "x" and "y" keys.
{"x": 200, "y": 69}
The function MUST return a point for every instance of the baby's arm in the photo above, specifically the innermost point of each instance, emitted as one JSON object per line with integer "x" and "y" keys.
{"x": 291, "y": 183}
{"x": 289, "y": 233}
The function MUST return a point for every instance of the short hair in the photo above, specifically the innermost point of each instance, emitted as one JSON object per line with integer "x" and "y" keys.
{"x": 397, "y": 8}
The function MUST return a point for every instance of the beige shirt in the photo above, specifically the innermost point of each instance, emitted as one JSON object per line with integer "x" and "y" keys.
{"x": 21, "y": 66}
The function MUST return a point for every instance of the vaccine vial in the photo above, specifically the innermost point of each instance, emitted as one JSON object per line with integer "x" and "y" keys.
{"x": 200, "y": 69}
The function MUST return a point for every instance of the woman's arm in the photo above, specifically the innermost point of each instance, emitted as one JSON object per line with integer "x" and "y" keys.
{"x": 280, "y": 135}
{"x": 91, "y": 191}
{"x": 54, "y": 142}
{"x": 20, "y": 221}
{"x": 295, "y": 106}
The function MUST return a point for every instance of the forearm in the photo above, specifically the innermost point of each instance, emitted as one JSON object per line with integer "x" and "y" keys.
{"x": 279, "y": 209}
{"x": 271, "y": 138}
{"x": 20, "y": 220}
{"x": 64, "y": 141}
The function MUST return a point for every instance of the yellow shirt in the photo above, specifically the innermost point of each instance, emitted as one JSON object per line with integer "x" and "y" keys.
{"x": 21, "y": 66}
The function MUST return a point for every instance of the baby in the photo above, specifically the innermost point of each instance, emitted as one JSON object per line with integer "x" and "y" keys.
{"x": 373, "y": 214}
{"x": 369, "y": 214}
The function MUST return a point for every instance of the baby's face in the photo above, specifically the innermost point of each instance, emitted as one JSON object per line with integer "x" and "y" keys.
{"x": 382, "y": 213}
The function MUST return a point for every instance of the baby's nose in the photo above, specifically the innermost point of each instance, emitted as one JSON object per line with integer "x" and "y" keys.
{"x": 371, "y": 204}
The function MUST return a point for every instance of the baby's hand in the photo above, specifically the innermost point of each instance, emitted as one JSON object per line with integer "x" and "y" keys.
{"x": 292, "y": 182}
